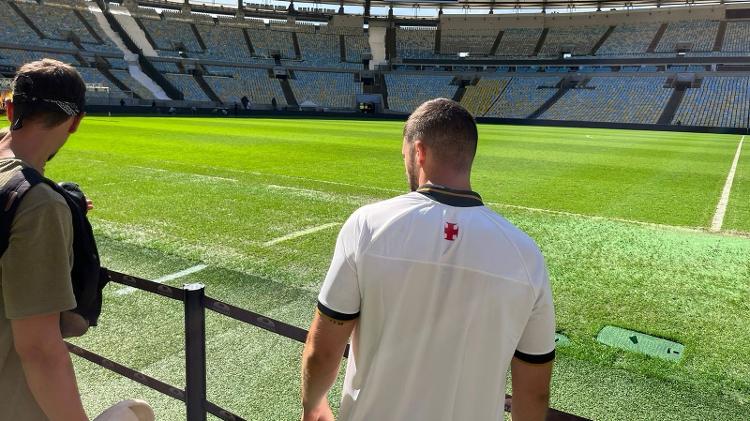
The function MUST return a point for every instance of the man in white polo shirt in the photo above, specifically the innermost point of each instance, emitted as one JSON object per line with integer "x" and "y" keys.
{"x": 439, "y": 294}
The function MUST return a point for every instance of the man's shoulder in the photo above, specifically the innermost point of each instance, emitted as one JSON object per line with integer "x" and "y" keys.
{"x": 380, "y": 212}
{"x": 527, "y": 249}
{"x": 42, "y": 196}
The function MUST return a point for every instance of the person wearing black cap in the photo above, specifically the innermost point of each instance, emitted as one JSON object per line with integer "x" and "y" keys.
{"x": 37, "y": 381}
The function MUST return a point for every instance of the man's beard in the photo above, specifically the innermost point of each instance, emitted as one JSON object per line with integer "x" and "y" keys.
{"x": 412, "y": 170}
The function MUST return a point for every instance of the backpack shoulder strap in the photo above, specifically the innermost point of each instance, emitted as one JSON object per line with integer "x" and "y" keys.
{"x": 10, "y": 199}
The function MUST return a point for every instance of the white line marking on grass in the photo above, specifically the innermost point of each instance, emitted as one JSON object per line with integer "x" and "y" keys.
{"x": 721, "y": 207}
{"x": 188, "y": 174}
{"x": 166, "y": 278}
{"x": 601, "y": 218}
{"x": 298, "y": 234}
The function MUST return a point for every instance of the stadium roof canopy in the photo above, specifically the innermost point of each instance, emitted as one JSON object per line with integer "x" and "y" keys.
{"x": 529, "y": 4}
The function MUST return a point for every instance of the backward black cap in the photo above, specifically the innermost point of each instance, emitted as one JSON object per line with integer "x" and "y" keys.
{"x": 47, "y": 87}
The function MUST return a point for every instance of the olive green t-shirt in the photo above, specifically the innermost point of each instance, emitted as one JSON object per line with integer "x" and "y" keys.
{"x": 34, "y": 280}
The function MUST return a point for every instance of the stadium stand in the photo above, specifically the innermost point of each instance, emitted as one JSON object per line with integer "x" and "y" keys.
{"x": 475, "y": 42}
{"x": 629, "y": 39}
{"x": 719, "y": 102}
{"x": 166, "y": 66}
{"x": 319, "y": 49}
{"x": 479, "y": 98}
{"x": 578, "y": 40}
{"x": 415, "y": 42}
{"x": 407, "y": 92}
{"x": 94, "y": 76}
{"x": 132, "y": 84}
{"x": 523, "y": 96}
{"x": 356, "y": 46}
{"x": 56, "y": 22}
{"x": 252, "y": 83}
{"x": 223, "y": 42}
{"x": 265, "y": 41}
{"x": 170, "y": 34}
{"x": 700, "y": 33}
{"x": 14, "y": 57}
{"x": 328, "y": 90}
{"x": 737, "y": 37}
{"x": 188, "y": 86}
{"x": 636, "y": 99}
{"x": 518, "y": 42}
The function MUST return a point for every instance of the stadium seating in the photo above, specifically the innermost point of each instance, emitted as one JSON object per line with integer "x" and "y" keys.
{"x": 478, "y": 98}
{"x": 580, "y": 39}
{"x": 523, "y": 96}
{"x": 356, "y": 45}
{"x": 737, "y": 37}
{"x": 407, "y": 92}
{"x": 166, "y": 66}
{"x": 168, "y": 34}
{"x": 474, "y": 42}
{"x": 328, "y": 90}
{"x": 56, "y": 22}
{"x": 415, "y": 43}
{"x": 252, "y": 83}
{"x": 223, "y": 42}
{"x": 94, "y": 76}
{"x": 319, "y": 49}
{"x": 265, "y": 41}
{"x": 518, "y": 42}
{"x": 135, "y": 86}
{"x": 14, "y": 30}
{"x": 629, "y": 39}
{"x": 188, "y": 86}
{"x": 18, "y": 57}
{"x": 719, "y": 102}
{"x": 632, "y": 99}
{"x": 700, "y": 33}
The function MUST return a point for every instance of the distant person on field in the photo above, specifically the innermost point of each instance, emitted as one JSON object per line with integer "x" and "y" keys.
{"x": 37, "y": 381}
{"x": 439, "y": 294}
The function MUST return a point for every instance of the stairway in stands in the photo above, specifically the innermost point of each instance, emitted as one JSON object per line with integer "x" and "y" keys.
{"x": 657, "y": 38}
{"x": 130, "y": 57}
{"x": 563, "y": 87}
{"x": 673, "y": 105}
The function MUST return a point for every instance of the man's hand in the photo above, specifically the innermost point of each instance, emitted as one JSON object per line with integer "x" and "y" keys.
{"x": 321, "y": 413}
{"x": 89, "y": 205}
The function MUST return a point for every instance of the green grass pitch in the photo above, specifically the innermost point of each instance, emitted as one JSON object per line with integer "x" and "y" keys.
{"x": 621, "y": 217}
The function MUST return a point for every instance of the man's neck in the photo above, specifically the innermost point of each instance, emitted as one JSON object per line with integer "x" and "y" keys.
{"x": 453, "y": 183}
{"x": 26, "y": 148}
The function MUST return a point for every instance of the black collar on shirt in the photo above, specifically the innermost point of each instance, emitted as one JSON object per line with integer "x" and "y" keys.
{"x": 447, "y": 196}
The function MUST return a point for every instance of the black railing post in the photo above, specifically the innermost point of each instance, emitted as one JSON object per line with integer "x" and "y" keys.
{"x": 195, "y": 352}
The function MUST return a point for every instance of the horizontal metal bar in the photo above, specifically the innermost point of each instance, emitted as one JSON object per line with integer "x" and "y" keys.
{"x": 255, "y": 319}
{"x": 146, "y": 285}
{"x": 222, "y": 413}
{"x": 148, "y": 381}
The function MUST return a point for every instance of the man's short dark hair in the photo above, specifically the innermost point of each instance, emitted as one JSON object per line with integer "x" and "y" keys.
{"x": 447, "y": 129}
{"x": 47, "y": 91}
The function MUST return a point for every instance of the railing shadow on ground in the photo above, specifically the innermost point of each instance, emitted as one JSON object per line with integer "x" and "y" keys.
{"x": 196, "y": 303}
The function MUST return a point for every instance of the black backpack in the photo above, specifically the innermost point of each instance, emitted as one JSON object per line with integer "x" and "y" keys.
{"x": 87, "y": 275}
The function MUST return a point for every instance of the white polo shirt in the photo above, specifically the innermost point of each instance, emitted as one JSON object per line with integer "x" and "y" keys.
{"x": 446, "y": 292}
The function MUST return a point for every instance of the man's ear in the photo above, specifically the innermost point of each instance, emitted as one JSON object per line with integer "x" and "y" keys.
{"x": 9, "y": 110}
{"x": 421, "y": 155}
{"x": 76, "y": 122}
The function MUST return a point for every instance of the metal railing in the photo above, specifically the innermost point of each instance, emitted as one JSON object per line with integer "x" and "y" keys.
{"x": 196, "y": 303}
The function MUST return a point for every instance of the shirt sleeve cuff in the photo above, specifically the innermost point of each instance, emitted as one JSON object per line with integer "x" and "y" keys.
{"x": 335, "y": 314}
{"x": 535, "y": 358}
